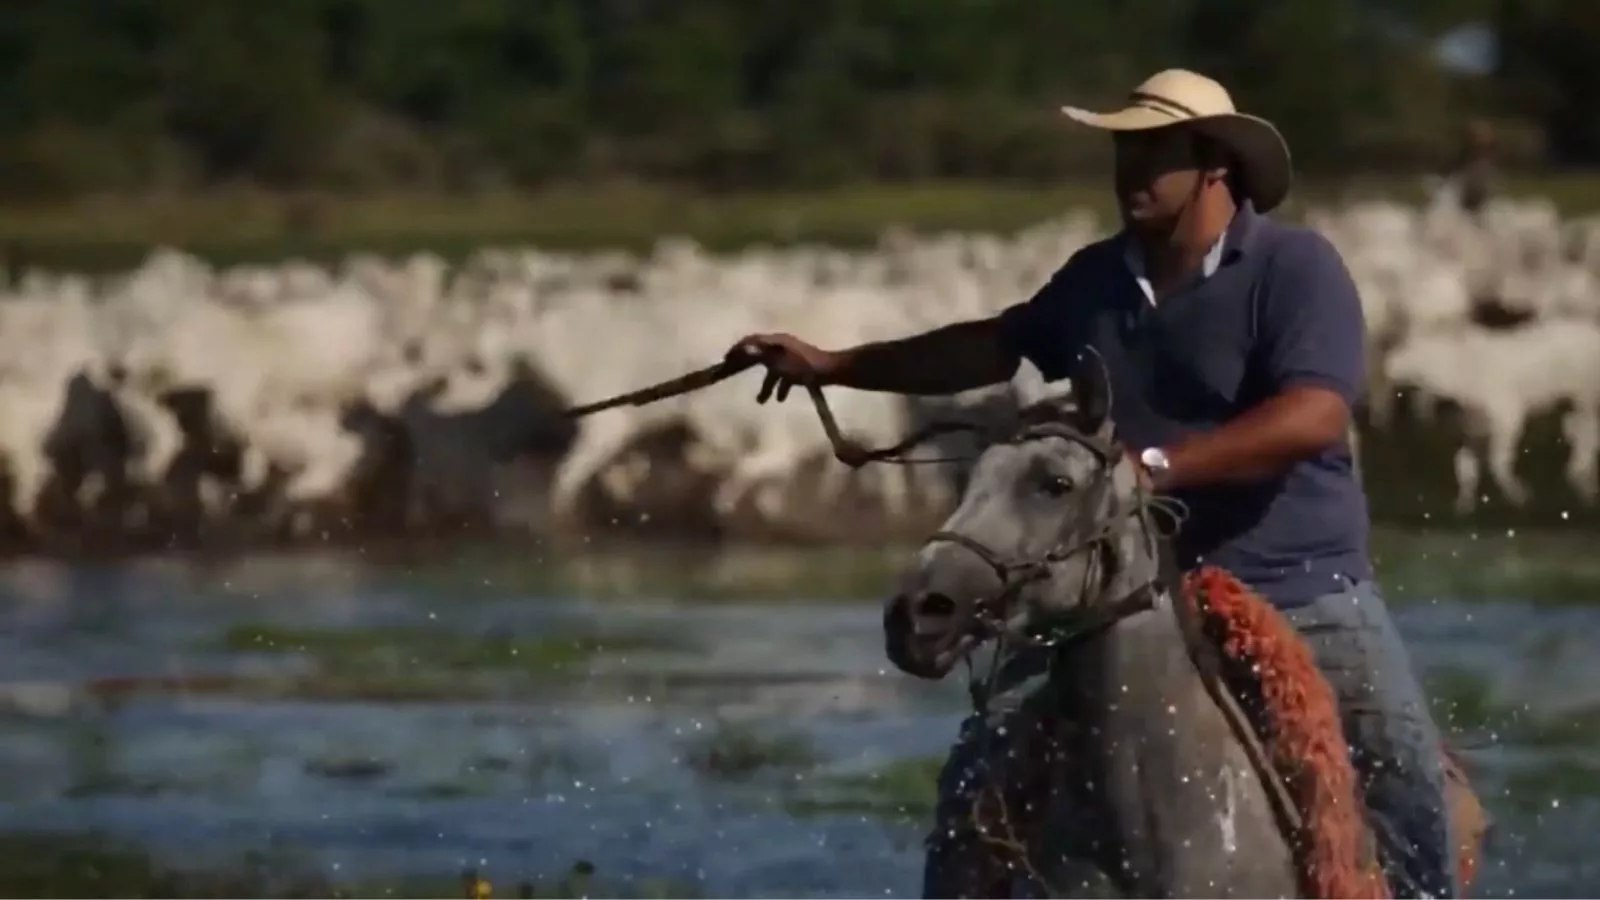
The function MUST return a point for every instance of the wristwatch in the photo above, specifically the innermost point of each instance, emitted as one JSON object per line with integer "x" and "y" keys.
{"x": 1155, "y": 461}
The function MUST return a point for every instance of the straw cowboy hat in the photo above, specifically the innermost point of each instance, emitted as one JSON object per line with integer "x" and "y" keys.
{"x": 1178, "y": 95}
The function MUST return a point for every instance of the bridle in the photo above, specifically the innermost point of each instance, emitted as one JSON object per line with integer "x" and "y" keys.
{"x": 1093, "y": 535}
{"x": 1015, "y": 574}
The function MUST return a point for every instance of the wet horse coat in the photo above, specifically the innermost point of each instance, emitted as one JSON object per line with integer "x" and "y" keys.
{"x": 1113, "y": 761}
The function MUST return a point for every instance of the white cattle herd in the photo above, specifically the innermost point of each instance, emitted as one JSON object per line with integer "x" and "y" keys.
{"x": 179, "y": 397}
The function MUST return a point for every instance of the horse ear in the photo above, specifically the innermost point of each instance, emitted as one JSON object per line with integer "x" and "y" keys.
{"x": 1091, "y": 387}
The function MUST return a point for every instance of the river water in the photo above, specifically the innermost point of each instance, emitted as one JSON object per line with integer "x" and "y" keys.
{"x": 717, "y": 722}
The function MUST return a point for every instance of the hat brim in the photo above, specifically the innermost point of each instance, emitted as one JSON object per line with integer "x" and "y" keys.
{"x": 1263, "y": 154}
{"x": 1133, "y": 118}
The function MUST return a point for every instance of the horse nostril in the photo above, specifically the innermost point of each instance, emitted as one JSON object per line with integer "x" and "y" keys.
{"x": 936, "y": 606}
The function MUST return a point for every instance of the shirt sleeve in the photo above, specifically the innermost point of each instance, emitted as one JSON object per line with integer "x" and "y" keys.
{"x": 1038, "y": 329}
{"x": 1020, "y": 326}
{"x": 1312, "y": 330}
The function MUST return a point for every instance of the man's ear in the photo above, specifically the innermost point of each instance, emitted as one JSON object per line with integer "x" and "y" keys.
{"x": 1213, "y": 158}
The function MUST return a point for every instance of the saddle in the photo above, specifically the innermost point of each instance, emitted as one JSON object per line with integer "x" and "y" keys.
{"x": 1263, "y": 677}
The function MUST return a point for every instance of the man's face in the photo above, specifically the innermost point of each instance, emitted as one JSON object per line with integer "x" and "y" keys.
{"x": 1156, "y": 174}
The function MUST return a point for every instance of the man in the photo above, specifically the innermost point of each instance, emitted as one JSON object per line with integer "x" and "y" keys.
{"x": 1475, "y": 173}
{"x": 1235, "y": 350}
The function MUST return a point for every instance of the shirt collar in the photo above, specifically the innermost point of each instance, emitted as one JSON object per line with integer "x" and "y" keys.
{"x": 1235, "y": 239}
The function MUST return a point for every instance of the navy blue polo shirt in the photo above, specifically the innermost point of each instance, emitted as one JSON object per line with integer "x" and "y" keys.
{"x": 1274, "y": 307}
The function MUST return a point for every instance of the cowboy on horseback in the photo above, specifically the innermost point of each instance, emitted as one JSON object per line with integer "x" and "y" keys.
{"x": 1235, "y": 345}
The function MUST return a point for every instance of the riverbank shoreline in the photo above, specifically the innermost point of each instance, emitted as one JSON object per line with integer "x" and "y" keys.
{"x": 1548, "y": 566}
{"x": 106, "y": 233}
{"x": 1410, "y": 488}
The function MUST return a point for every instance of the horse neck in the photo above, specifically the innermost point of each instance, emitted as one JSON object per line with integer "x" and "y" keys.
{"x": 1134, "y": 667}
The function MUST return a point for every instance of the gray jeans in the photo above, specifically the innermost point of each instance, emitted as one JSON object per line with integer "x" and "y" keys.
{"x": 1394, "y": 746}
{"x": 1394, "y": 743}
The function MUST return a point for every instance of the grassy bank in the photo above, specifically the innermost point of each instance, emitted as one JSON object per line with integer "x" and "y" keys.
{"x": 112, "y": 232}
{"x": 89, "y": 865}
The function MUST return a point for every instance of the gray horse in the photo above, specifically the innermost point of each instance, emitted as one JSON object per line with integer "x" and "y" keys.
{"x": 1102, "y": 761}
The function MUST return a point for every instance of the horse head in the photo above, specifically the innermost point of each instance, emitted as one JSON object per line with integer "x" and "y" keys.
{"x": 1050, "y": 525}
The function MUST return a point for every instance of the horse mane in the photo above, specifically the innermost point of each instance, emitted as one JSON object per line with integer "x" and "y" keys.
{"x": 1298, "y": 719}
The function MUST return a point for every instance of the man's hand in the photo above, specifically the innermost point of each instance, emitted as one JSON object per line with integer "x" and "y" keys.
{"x": 789, "y": 361}
{"x": 1147, "y": 481}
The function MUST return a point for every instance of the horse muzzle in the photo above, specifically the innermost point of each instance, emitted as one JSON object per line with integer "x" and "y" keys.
{"x": 932, "y": 623}
{"x": 924, "y": 645}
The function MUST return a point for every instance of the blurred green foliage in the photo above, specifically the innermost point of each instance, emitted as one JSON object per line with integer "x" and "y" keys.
{"x": 369, "y": 95}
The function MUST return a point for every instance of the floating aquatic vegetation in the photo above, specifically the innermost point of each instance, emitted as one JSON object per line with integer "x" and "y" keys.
{"x": 92, "y": 865}
{"x": 393, "y": 664}
{"x": 582, "y": 880}
{"x": 693, "y": 573}
{"x": 901, "y": 793}
{"x": 1566, "y": 728}
{"x": 487, "y": 775}
{"x": 1549, "y": 784}
{"x": 88, "y": 865}
{"x": 439, "y": 649}
{"x": 736, "y": 751}
{"x": 1464, "y": 702}
{"x": 114, "y": 785}
{"x": 1551, "y": 567}
{"x": 349, "y": 768}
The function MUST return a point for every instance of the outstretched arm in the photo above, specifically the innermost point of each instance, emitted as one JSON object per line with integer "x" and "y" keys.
{"x": 947, "y": 360}
{"x": 967, "y": 355}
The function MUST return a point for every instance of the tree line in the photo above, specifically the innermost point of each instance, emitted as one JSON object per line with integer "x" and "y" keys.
{"x": 370, "y": 95}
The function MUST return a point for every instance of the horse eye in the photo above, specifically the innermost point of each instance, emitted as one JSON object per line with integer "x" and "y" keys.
{"x": 1057, "y": 485}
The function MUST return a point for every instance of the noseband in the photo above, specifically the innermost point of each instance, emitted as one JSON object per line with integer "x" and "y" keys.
{"x": 1096, "y": 537}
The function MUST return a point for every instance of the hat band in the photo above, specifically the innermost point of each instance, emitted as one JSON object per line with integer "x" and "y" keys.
{"x": 1162, "y": 104}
